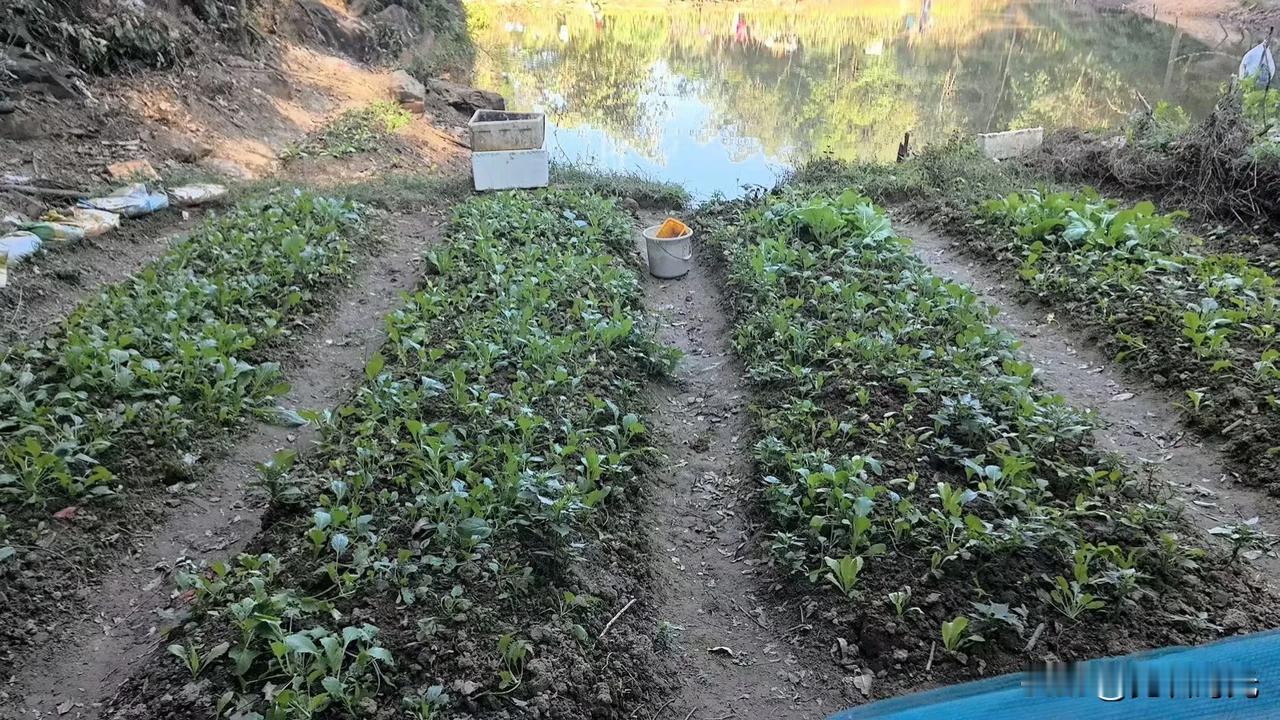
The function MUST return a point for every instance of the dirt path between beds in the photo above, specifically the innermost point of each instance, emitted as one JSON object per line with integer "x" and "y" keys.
{"x": 1144, "y": 424}
{"x": 735, "y": 652}
{"x": 80, "y": 670}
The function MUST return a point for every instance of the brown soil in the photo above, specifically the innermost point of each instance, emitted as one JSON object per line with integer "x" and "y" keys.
{"x": 221, "y": 114}
{"x": 736, "y": 647}
{"x": 84, "y": 661}
{"x": 1144, "y": 424}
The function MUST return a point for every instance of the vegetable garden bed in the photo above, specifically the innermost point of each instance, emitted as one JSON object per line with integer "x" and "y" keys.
{"x": 463, "y": 540}
{"x": 951, "y": 517}
{"x": 1201, "y": 323}
{"x": 108, "y": 409}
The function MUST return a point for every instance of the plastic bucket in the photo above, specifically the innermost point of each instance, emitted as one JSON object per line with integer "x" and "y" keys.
{"x": 668, "y": 257}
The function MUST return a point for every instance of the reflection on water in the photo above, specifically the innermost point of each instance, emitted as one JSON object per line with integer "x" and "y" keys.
{"x": 718, "y": 96}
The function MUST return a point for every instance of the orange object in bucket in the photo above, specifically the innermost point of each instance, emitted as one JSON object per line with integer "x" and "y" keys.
{"x": 672, "y": 228}
{"x": 668, "y": 248}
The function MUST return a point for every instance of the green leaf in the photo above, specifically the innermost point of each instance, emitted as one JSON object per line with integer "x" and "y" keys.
{"x": 474, "y": 528}
{"x": 300, "y": 643}
{"x": 374, "y": 367}
{"x": 333, "y": 686}
{"x": 217, "y": 651}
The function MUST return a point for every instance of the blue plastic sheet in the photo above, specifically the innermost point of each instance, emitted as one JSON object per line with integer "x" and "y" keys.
{"x": 1246, "y": 668}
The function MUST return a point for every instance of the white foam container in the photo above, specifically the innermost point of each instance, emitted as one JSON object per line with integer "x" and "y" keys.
{"x": 493, "y": 130}
{"x": 1011, "y": 143}
{"x": 668, "y": 257}
{"x": 509, "y": 169}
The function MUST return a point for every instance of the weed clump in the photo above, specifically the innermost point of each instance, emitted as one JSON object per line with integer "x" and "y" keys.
{"x": 646, "y": 192}
{"x": 358, "y": 130}
{"x": 1224, "y": 167}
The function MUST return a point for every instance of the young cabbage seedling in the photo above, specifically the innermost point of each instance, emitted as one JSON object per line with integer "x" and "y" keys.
{"x": 844, "y": 574}
{"x": 956, "y": 635}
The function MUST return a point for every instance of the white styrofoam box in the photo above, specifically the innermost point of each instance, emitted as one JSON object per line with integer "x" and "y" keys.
{"x": 507, "y": 169}
{"x": 505, "y": 130}
{"x": 1012, "y": 143}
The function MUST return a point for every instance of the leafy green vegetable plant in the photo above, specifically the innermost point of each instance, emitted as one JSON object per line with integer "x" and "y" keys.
{"x": 1245, "y": 537}
{"x": 956, "y": 635}
{"x": 153, "y": 363}
{"x": 877, "y": 374}
{"x": 1205, "y": 322}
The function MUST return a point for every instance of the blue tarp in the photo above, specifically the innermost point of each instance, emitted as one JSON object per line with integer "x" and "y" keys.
{"x": 1245, "y": 669}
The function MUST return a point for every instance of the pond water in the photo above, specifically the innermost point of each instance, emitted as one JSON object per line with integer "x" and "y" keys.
{"x": 724, "y": 95}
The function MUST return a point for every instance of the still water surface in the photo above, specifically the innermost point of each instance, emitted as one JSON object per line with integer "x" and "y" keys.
{"x": 725, "y": 95}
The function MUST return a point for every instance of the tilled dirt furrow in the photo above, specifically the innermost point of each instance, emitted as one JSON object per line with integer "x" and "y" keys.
{"x": 1144, "y": 424}
{"x": 735, "y": 649}
{"x": 83, "y": 666}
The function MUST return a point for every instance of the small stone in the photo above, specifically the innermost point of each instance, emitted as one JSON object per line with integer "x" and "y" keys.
{"x": 1243, "y": 396}
{"x": 901, "y": 654}
{"x": 1234, "y": 620}
{"x": 406, "y": 88}
{"x": 132, "y": 170}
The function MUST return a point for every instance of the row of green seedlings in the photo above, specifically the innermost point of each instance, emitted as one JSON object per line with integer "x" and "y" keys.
{"x": 152, "y": 363}
{"x": 449, "y": 498}
{"x": 1204, "y": 322}
{"x": 905, "y": 442}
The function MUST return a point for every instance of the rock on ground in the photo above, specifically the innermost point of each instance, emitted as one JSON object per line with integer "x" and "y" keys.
{"x": 466, "y": 99}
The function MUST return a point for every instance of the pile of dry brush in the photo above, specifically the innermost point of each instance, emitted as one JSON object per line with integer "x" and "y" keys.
{"x": 1212, "y": 168}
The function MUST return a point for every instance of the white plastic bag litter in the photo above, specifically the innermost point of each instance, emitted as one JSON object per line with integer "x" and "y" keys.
{"x": 14, "y": 247}
{"x": 130, "y": 201}
{"x": 92, "y": 222}
{"x": 1258, "y": 63}
{"x": 188, "y": 195}
{"x": 18, "y": 245}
